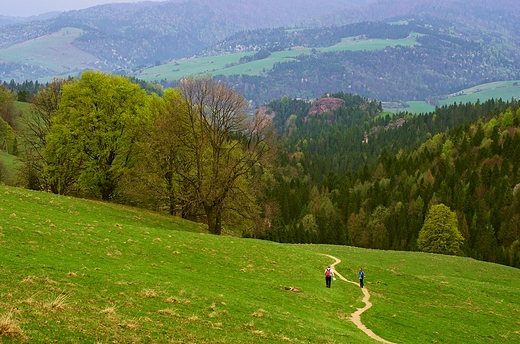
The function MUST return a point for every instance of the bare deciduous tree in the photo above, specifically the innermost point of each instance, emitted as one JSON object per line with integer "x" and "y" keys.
{"x": 37, "y": 124}
{"x": 220, "y": 147}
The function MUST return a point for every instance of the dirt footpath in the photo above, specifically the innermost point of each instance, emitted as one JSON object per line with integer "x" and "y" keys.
{"x": 356, "y": 316}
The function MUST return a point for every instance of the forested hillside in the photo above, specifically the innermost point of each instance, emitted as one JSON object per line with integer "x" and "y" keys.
{"x": 351, "y": 177}
{"x": 441, "y": 62}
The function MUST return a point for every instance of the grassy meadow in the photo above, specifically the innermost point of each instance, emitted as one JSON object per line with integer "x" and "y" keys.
{"x": 8, "y": 165}
{"x": 502, "y": 89}
{"x": 356, "y": 44}
{"x": 220, "y": 65}
{"x": 415, "y": 107}
{"x": 54, "y": 52}
{"x": 21, "y": 106}
{"x": 84, "y": 271}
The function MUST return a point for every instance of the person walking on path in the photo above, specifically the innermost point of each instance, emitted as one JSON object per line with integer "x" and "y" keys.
{"x": 361, "y": 275}
{"x": 329, "y": 273}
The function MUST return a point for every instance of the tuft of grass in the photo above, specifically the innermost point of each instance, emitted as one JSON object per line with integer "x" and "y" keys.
{"x": 168, "y": 311}
{"x": 149, "y": 293}
{"x": 9, "y": 327}
{"x": 173, "y": 299}
{"x": 109, "y": 310}
{"x": 58, "y": 302}
{"x": 259, "y": 313}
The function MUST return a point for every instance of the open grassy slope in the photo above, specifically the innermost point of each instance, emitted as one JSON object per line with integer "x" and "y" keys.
{"x": 8, "y": 166}
{"x": 502, "y": 89}
{"x": 83, "y": 271}
{"x": 54, "y": 52}
{"x": 22, "y": 106}
{"x": 220, "y": 65}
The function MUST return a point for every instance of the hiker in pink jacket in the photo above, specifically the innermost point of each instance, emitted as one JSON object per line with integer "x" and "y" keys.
{"x": 329, "y": 273}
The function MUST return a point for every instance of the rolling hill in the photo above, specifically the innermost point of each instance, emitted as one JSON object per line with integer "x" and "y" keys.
{"x": 54, "y": 53}
{"x": 79, "y": 270}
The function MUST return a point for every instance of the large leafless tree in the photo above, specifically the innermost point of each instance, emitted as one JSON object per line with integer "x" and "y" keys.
{"x": 220, "y": 147}
{"x": 37, "y": 124}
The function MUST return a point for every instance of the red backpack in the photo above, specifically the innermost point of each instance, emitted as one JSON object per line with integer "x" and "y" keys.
{"x": 328, "y": 272}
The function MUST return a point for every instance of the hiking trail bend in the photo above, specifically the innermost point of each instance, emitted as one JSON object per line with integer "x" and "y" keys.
{"x": 356, "y": 316}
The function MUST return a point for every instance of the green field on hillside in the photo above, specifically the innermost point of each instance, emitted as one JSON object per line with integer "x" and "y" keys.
{"x": 410, "y": 107}
{"x": 217, "y": 65}
{"x": 54, "y": 52}
{"x": 506, "y": 90}
{"x": 22, "y": 106}
{"x": 7, "y": 168}
{"x": 84, "y": 271}
{"x": 356, "y": 44}
{"x": 502, "y": 89}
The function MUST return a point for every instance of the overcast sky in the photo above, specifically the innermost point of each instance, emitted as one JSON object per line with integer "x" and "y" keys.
{"x": 26, "y": 8}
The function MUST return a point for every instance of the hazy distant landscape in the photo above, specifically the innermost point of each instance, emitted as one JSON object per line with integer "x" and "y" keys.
{"x": 184, "y": 171}
{"x": 429, "y": 51}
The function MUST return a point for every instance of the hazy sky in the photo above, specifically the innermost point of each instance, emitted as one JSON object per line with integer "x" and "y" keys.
{"x": 26, "y": 8}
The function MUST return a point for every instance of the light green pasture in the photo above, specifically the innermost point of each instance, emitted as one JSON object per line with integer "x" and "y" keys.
{"x": 506, "y": 90}
{"x": 356, "y": 44}
{"x": 78, "y": 271}
{"x": 216, "y": 65}
{"x": 54, "y": 52}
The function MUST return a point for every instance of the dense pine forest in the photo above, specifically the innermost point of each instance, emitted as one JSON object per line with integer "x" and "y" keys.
{"x": 351, "y": 176}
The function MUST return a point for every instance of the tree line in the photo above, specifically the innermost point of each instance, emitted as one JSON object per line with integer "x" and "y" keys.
{"x": 344, "y": 175}
{"x": 193, "y": 151}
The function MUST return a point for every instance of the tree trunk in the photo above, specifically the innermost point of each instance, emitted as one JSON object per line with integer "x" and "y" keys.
{"x": 214, "y": 216}
{"x": 172, "y": 205}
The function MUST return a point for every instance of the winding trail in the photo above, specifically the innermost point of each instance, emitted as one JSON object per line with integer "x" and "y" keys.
{"x": 356, "y": 316}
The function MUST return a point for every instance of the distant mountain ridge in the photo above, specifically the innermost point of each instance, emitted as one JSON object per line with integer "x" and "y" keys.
{"x": 470, "y": 42}
{"x": 169, "y": 30}
{"x": 9, "y": 20}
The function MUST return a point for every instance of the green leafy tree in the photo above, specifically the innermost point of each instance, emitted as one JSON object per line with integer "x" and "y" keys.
{"x": 358, "y": 233}
{"x": 7, "y": 108}
{"x": 162, "y": 155}
{"x": 376, "y": 225}
{"x": 440, "y": 233}
{"x": 92, "y": 139}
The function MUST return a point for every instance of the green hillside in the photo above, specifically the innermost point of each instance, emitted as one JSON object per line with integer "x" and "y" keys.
{"x": 505, "y": 90}
{"x": 83, "y": 271}
{"x": 54, "y": 52}
{"x": 227, "y": 64}
{"x": 7, "y": 168}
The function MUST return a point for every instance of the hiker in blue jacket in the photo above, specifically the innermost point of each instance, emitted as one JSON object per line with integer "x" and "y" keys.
{"x": 361, "y": 275}
{"x": 329, "y": 273}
